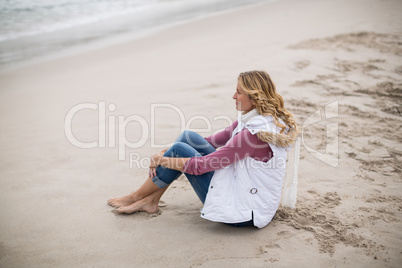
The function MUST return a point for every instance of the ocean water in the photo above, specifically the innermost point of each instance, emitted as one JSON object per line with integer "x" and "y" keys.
{"x": 34, "y": 29}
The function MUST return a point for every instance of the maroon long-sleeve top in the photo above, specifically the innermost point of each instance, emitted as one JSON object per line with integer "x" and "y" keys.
{"x": 244, "y": 144}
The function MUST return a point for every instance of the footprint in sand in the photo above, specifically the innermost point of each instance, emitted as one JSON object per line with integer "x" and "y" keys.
{"x": 398, "y": 70}
{"x": 284, "y": 234}
{"x": 302, "y": 64}
{"x": 273, "y": 246}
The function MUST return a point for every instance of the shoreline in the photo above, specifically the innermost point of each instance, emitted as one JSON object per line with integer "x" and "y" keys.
{"x": 106, "y": 41}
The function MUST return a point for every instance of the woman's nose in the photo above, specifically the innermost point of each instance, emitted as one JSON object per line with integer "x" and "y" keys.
{"x": 234, "y": 96}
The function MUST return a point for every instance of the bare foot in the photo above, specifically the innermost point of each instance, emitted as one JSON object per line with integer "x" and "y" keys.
{"x": 121, "y": 201}
{"x": 147, "y": 204}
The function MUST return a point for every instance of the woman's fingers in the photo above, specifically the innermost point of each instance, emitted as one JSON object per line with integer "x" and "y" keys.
{"x": 152, "y": 172}
{"x": 152, "y": 161}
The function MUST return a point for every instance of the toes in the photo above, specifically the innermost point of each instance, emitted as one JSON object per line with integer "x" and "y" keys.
{"x": 113, "y": 203}
{"x": 121, "y": 210}
{"x": 115, "y": 211}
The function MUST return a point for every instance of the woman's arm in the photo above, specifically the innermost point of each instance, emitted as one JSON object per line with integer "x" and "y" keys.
{"x": 220, "y": 139}
{"x": 242, "y": 145}
{"x": 173, "y": 162}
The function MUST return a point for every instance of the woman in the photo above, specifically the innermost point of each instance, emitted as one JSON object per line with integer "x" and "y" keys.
{"x": 239, "y": 184}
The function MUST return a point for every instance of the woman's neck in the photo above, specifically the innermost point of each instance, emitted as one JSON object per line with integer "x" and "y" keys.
{"x": 247, "y": 116}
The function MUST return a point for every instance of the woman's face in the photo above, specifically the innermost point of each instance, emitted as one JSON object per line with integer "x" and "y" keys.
{"x": 243, "y": 101}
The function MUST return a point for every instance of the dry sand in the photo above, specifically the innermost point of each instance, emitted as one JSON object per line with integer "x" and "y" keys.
{"x": 54, "y": 194}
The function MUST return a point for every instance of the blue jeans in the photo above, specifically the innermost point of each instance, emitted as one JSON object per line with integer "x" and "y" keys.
{"x": 189, "y": 144}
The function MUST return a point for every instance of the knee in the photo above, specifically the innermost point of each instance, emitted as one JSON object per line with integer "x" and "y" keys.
{"x": 181, "y": 149}
{"x": 185, "y": 136}
{"x": 179, "y": 145}
{"x": 176, "y": 149}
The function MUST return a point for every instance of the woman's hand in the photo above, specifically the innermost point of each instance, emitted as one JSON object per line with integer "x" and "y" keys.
{"x": 176, "y": 163}
{"x": 154, "y": 163}
{"x": 152, "y": 172}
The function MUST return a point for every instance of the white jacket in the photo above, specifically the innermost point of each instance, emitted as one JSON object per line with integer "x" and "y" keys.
{"x": 248, "y": 187}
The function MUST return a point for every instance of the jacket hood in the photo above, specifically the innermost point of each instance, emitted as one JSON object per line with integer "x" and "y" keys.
{"x": 279, "y": 139}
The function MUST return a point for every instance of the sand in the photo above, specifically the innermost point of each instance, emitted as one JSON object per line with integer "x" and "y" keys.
{"x": 339, "y": 61}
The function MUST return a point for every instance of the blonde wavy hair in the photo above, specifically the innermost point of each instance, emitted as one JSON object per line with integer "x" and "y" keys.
{"x": 261, "y": 90}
